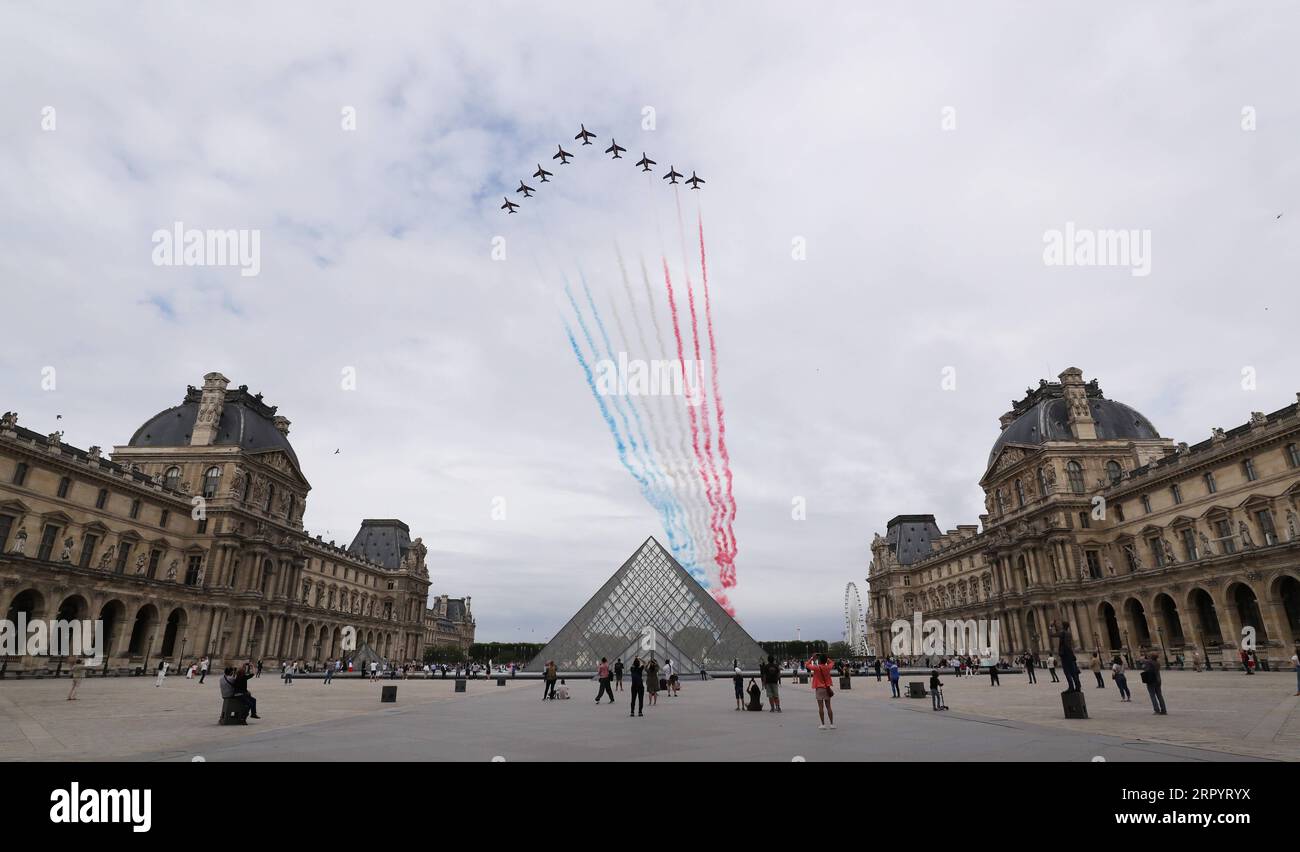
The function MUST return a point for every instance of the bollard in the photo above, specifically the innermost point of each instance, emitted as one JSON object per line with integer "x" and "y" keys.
{"x": 1074, "y": 705}
{"x": 388, "y": 695}
{"x": 460, "y": 684}
{"x": 501, "y": 681}
{"x": 844, "y": 682}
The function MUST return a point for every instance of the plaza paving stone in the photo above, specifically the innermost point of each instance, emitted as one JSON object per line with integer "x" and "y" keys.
{"x": 1212, "y": 716}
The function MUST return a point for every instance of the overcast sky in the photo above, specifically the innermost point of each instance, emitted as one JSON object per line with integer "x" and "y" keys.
{"x": 920, "y": 153}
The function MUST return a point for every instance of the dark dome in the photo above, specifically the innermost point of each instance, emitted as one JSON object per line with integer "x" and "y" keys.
{"x": 245, "y": 422}
{"x": 1048, "y": 420}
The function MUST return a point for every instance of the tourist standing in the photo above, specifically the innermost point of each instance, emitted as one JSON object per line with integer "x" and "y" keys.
{"x": 618, "y": 674}
{"x": 738, "y": 680}
{"x": 1051, "y": 667}
{"x": 936, "y": 691}
{"x": 1028, "y": 660}
{"x": 603, "y": 674}
{"x": 259, "y": 668}
{"x": 203, "y": 668}
{"x": 1295, "y": 663}
{"x": 549, "y": 677}
{"x": 1151, "y": 677}
{"x": 1096, "y": 670}
{"x": 638, "y": 689}
{"x": 1069, "y": 665}
{"x": 652, "y": 681}
{"x": 162, "y": 672}
{"x": 77, "y": 670}
{"x": 329, "y": 673}
{"x": 772, "y": 684}
{"x": 993, "y": 673}
{"x": 893, "y": 679}
{"x": 877, "y": 670}
{"x": 819, "y": 667}
{"x": 671, "y": 674}
{"x": 1121, "y": 681}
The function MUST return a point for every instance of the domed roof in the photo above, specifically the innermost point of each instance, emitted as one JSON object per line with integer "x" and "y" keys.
{"x": 1044, "y": 416}
{"x": 246, "y": 422}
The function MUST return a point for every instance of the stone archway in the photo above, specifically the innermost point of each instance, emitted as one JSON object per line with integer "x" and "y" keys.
{"x": 73, "y": 608}
{"x": 1110, "y": 626}
{"x": 174, "y": 632}
{"x": 1201, "y": 604}
{"x": 1286, "y": 591}
{"x": 308, "y": 641}
{"x": 1136, "y": 615}
{"x": 1167, "y": 616}
{"x": 143, "y": 630}
{"x": 113, "y": 615}
{"x": 1246, "y": 606}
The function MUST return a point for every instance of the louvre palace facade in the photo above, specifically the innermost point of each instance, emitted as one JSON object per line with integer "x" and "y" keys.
{"x": 190, "y": 542}
{"x": 1093, "y": 518}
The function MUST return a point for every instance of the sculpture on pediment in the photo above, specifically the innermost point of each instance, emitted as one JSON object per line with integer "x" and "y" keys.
{"x": 94, "y": 453}
{"x": 1257, "y": 419}
{"x": 66, "y": 555}
{"x": 237, "y": 483}
{"x": 1217, "y": 434}
{"x": 8, "y": 421}
{"x": 1183, "y": 448}
{"x": 259, "y": 490}
{"x": 54, "y": 439}
{"x": 1243, "y": 530}
{"x": 1207, "y": 547}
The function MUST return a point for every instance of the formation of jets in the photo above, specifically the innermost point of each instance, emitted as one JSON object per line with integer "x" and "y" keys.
{"x": 615, "y": 150}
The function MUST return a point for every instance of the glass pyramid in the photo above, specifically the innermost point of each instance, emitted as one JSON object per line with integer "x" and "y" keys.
{"x": 651, "y": 606}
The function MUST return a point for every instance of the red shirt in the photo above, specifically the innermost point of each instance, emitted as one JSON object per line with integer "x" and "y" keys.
{"x": 604, "y": 670}
{"x": 821, "y": 673}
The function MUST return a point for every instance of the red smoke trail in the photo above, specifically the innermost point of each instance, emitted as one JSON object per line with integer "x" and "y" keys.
{"x": 700, "y": 459}
{"x": 719, "y": 508}
{"x": 729, "y": 575}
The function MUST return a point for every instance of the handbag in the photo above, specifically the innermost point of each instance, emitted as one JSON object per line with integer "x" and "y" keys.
{"x": 1146, "y": 677}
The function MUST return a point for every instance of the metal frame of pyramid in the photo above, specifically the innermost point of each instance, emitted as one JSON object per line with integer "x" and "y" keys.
{"x": 651, "y": 605}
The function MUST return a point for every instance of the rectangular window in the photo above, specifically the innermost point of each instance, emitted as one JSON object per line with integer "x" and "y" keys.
{"x": 192, "y": 572}
{"x": 135, "y": 509}
{"x": 1248, "y": 468}
{"x": 1224, "y": 529}
{"x": 123, "y": 554}
{"x": 162, "y": 521}
{"x": 20, "y": 474}
{"x": 1265, "y": 520}
{"x": 6, "y": 524}
{"x": 1189, "y": 544}
{"x": 153, "y": 564}
{"x": 1094, "y": 564}
{"x": 88, "y": 550}
{"x": 1293, "y": 455}
{"x": 64, "y": 485}
{"x": 101, "y": 499}
{"x": 1209, "y": 483}
{"x": 203, "y": 526}
{"x": 1119, "y": 512}
{"x": 1146, "y": 504}
{"x": 1157, "y": 552}
{"x": 49, "y": 536}
{"x": 1177, "y": 491}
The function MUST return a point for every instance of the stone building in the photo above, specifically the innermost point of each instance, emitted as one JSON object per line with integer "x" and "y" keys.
{"x": 1095, "y": 519}
{"x": 449, "y": 622}
{"x": 190, "y": 542}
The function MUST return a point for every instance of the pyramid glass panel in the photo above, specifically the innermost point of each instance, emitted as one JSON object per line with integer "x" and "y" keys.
{"x": 651, "y": 606}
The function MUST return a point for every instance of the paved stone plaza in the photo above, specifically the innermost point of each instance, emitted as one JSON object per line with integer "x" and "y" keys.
{"x": 1212, "y": 716}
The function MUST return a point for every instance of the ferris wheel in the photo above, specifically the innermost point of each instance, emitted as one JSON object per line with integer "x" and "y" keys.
{"x": 855, "y": 625}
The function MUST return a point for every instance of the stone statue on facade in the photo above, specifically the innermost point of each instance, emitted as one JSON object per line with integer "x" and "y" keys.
{"x": 1243, "y": 530}
{"x": 66, "y": 555}
{"x": 139, "y": 565}
{"x": 1134, "y": 558}
{"x": 171, "y": 571}
{"x": 1168, "y": 551}
{"x": 106, "y": 560}
{"x": 54, "y": 439}
{"x": 8, "y": 421}
{"x": 1110, "y": 566}
{"x": 1217, "y": 434}
{"x": 20, "y": 542}
{"x": 1207, "y": 547}
{"x": 1292, "y": 525}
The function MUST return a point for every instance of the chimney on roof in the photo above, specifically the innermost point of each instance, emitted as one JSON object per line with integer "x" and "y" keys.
{"x": 1082, "y": 426}
{"x": 211, "y": 403}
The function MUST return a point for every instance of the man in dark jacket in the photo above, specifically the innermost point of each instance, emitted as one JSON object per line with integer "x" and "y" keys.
{"x": 1069, "y": 665}
{"x": 240, "y": 683}
{"x": 1151, "y": 677}
{"x": 772, "y": 683}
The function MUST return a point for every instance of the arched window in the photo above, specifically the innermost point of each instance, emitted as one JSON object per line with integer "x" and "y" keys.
{"x": 1114, "y": 471}
{"x": 1074, "y": 472}
{"x": 1020, "y": 494}
{"x": 172, "y": 478}
{"x": 211, "y": 481}
{"x": 1042, "y": 481}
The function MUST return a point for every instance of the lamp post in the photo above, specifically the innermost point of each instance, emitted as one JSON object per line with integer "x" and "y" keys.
{"x": 180, "y": 661}
{"x": 1164, "y": 653}
{"x": 1128, "y": 649}
{"x": 147, "y": 650}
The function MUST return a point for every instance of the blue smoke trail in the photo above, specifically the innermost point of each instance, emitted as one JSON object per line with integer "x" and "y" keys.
{"x": 646, "y": 490}
{"x": 675, "y": 512}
